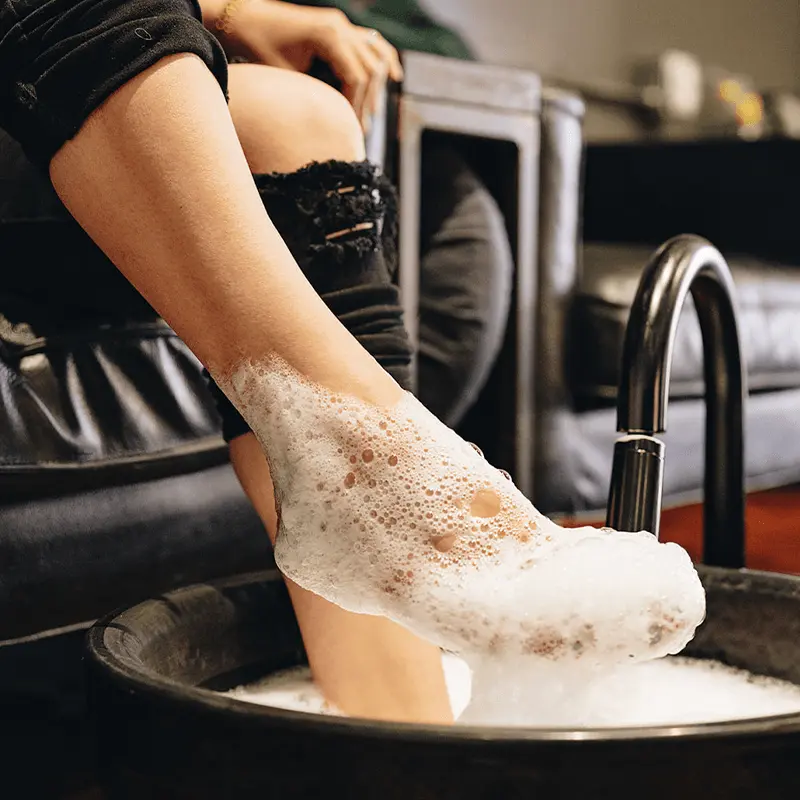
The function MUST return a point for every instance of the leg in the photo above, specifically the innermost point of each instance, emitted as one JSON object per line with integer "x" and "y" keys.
{"x": 484, "y": 503}
{"x": 466, "y": 273}
{"x": 366, "y": 665}
{"x": 285, "y": 121}
{"x": 123, "y": 178}
{"x": 147, "y": 157}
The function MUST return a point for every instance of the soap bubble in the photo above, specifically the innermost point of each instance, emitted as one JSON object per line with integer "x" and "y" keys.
{"x": 493, "y": 579}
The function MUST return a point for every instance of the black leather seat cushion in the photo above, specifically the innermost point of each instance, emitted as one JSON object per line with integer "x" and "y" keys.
{"x": 769, "y": 304}
{"x": 69, "y": 559}
{"x": 92, "y": 406}
{"x": 576, "y": 472}
{"x": 114, "y": 481}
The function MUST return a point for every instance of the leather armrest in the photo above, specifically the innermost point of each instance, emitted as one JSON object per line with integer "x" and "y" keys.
{"x": 560, "y": 172}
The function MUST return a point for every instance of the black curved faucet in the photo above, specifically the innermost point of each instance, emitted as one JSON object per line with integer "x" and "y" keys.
{"x": 682, "y": 265}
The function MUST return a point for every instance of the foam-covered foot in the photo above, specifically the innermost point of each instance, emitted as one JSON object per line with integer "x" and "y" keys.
{"x": 390, "y": 512}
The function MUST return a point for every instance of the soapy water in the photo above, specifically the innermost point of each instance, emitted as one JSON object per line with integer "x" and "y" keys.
{"x": 389, "y": 512}
{"x": 294, "y": 689}
{"x": 668, "y": 691}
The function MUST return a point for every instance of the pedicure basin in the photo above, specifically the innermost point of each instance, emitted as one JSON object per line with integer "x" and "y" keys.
{"x": 164, "y": 733}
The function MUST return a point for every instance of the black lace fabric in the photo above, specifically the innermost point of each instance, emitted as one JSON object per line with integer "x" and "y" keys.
{"x": 339, "y": 220}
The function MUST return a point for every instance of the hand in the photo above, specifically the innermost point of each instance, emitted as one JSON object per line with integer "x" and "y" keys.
{"x": 281, "y": 34}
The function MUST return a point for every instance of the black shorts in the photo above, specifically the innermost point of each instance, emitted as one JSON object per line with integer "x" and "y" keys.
{"x": 60, "y": 59}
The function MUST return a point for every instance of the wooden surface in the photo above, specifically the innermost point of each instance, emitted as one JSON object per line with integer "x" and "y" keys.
{"x": 773, "y": 530}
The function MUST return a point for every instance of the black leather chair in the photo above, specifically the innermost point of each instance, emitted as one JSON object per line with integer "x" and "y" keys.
{"x": 114, "y": 482}
{"x": 635, "y": 197}
{"x": 115, "y": 487}
{"x": 602, "y": 211}
{"x": 113, "y": 477}
{"x": 491, "y": 115}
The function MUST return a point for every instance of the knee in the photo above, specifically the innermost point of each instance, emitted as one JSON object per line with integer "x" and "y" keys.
{"x": 285, "y": 119}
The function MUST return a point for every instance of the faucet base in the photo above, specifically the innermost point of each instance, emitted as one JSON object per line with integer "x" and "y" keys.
{"x": 637, "y": 477}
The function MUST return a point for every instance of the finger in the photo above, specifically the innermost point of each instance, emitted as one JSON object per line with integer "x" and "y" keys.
{"x": 372, "y": 100}
{"x": 385, "y": 51}
{"x": 349, "y": 68}
{"x": 334, "y": 45}
{"x": 377, "y": 71}
{"x": 389, "y": 56}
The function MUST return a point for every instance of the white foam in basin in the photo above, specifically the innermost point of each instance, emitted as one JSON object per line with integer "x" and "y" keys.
{"x": 669, "y": 691}
{"x": 293, "y": 689}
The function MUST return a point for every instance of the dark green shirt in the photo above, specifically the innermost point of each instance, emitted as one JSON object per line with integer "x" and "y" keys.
{"x": 403, "y": 23}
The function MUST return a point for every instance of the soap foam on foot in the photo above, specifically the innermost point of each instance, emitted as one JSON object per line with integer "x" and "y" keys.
{"x": 389, "y": 512}
{"x": 669, "y": 691}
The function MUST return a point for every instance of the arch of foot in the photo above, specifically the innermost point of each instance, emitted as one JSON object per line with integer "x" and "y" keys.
{"x": 388, "y": 511}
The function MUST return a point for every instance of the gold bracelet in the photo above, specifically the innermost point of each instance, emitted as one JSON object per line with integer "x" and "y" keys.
{"x": 225, "y": 21}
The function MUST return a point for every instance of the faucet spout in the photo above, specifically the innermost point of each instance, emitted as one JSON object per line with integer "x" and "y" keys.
{"x": 682, "y": 265}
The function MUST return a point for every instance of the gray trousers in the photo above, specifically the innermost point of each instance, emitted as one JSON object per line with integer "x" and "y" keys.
{"x": 466, "y": 278}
